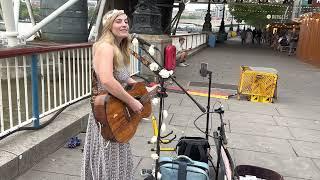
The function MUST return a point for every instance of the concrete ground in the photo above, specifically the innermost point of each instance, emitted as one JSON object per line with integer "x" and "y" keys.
{"x": 283, "y": 136}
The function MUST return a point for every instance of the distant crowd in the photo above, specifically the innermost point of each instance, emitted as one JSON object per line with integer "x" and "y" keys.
{"x": 249, "y": 36}
{"x": 285, "y": 40}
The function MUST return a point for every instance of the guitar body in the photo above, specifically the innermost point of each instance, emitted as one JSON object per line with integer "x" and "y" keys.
{"x": 120, "y": 122}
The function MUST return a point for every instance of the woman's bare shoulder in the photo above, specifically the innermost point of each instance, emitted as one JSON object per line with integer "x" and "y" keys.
{"x": 103, "y": 46}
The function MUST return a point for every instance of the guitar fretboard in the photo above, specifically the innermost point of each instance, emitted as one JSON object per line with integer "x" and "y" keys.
{"x": 148, "y": 96}
{"x": 141, "y": 59}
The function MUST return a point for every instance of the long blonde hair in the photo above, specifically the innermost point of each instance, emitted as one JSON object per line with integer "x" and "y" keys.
{"x": 121, "y": 52}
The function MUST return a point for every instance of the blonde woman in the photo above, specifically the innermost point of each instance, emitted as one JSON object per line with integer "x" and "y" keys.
{"x": 103, "y": 159}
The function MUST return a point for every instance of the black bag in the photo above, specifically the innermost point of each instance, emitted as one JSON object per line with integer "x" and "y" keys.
{"x": 195, "y": 148}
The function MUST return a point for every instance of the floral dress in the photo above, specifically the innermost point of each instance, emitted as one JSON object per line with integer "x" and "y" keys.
{"x": 102, "y": 159}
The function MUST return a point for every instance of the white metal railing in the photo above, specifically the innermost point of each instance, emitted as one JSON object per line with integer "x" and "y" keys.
{"x": 192, "y": 41}
{"x": 38, "y": 81}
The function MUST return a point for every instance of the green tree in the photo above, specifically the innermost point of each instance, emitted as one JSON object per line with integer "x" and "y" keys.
{"x": 189, "y": 17}
{"x": 24, "y": 15}
{"x": 90, "y": 12}
{"x": 23, "y": 11}
{"x": 255, "y": 14}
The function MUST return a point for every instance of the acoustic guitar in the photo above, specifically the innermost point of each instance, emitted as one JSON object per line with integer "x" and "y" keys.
{"x": 119, "y": 123}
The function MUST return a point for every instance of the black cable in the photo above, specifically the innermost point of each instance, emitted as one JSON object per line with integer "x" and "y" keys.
{"x": 214, "y": 168}
{"x": 194, "y": 123}
{"x": 222, "y": 131}
{"x": 44, "y": 124}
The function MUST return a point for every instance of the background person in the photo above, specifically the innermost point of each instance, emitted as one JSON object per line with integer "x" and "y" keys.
{"x": 181, "y": 53}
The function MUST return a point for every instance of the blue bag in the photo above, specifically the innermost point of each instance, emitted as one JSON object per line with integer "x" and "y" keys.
{"x": 183, "y": 168}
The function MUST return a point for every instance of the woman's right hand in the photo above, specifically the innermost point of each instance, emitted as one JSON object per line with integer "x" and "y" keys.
{"x": 136, "y": 106}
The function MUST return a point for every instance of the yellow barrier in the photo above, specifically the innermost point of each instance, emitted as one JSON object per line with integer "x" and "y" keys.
{"x": 258, "y": 83}
{"x": 233, "y": 34}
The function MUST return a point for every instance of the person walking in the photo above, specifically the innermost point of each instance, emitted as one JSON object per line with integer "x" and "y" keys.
{"x": 243, "y": 35}
{"x": 259, "y": 35}
{"x": 248, "y": 36}
{"x": 254, "y": 33}
{"x": 293, "y": 43}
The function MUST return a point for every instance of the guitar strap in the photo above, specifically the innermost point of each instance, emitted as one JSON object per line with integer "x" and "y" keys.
{"x": 95, "y": 91}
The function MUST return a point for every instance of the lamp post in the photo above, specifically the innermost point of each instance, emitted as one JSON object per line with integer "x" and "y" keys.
{"x": 231, "y": 25}
{"x": 146, "y": 18}
{"x": 222, "y": 35}
{"x": 222, "y": 27}
{"x": 238, "y": 28}
{"x": 207, "y": 27}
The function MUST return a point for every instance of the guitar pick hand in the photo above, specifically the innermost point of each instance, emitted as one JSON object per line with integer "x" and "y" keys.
{"x": 136, "y": 106}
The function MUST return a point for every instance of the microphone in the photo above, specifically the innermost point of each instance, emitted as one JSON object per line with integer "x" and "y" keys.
{"x": 142, "y": 41}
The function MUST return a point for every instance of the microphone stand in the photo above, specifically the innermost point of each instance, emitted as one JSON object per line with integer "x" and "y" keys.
{"x": 162, "y": 94}
{"x": 208, "y": 105}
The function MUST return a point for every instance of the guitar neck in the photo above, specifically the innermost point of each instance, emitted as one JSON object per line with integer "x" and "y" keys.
{"x": 146, "y": 98}
{"x": 141, "y": 59}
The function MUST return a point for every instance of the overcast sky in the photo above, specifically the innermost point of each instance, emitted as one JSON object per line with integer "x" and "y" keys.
{"x": 196, "y": 6}
{"x": 192, "y": 7}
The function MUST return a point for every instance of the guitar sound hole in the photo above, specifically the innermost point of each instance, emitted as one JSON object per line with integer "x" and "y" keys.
{"x": 128, "y": 87}
{"x": 138, "y": 98}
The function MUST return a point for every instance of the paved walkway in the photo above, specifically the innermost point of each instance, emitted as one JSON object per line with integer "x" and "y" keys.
{"x": 283, "y": 136}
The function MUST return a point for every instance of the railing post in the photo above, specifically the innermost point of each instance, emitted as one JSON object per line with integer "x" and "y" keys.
{"x": 35, "y": 92}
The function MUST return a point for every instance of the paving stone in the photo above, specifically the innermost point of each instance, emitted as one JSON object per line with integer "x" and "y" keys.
{"x": 182, "y": 131}
{"x": 62, "y": 162}
{"x": 174, "y": 98}
{"x": 188, "y": 120}
{"x": 82, "y": 137}
{"x": 300, "y": 113}
{"x": 136, "y": 161}
{"x": 184, "y": 110}
{"x": 306, "y": 149}
{"x": 317, "y": 162}
{"x": 80, "y": 109}
{"x": 203, "y": 101}
{"x": 156, "y": 108}
{"x": 167, "y": 120}
{"x": 285, "y": 165}
{"x": 298, "y": 122}
{"x": 40, "y": 175}
{"x": 242, "y": 117}
{"x": 306, "y": 134}
{"x": 260, "y": 144}
{"x": 144, "y": 129}
{"x": 140, "y": 146}
{"x": 261, "y": 130}
{"x": 9, "y": 164}
{"x": 303, "y": 104}
{"x": 252, "y": 107}
{"x": 145, "y": 163}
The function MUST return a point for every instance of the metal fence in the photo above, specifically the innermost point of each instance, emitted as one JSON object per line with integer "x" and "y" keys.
{"x": 36, "y": 81}
{"x": 192, "y": 41}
